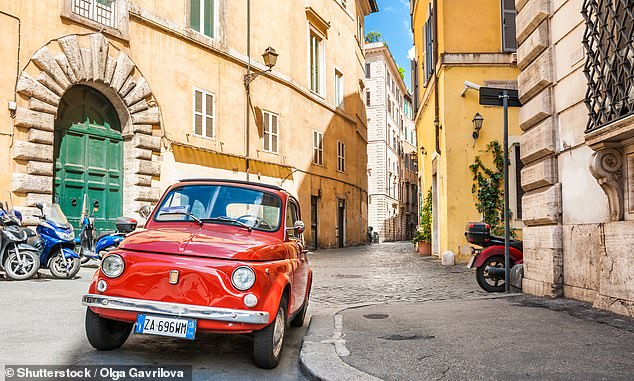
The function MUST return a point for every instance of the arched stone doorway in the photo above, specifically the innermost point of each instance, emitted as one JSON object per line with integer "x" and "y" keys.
{"x": 88, "y": 157}
{"x": 100, "y": 68}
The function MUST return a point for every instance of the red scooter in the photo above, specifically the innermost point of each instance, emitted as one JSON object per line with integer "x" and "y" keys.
{"x": 489, "y": 259}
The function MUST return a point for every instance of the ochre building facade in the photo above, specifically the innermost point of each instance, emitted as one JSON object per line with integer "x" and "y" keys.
{"x": 114, "y": 101}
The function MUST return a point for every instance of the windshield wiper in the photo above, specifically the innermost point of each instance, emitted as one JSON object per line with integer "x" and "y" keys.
{"x": 228, "y": 219}
{"x": 182, "y": 214}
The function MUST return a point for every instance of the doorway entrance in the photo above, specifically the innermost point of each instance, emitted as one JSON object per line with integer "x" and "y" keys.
{"x": 341, "y": 223}
{"x": 314, "y": 200}
{"x": 88, "y": 157}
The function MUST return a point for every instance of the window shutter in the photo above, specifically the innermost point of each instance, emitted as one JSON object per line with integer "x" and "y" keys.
{"x": 509, "y": 39}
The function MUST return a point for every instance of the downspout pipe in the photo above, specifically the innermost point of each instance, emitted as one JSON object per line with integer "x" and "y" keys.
{"x": 17, "y": 74}
{"x": 248, "y": 89}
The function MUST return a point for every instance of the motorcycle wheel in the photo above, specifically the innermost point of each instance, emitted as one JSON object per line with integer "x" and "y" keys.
{"x": 15, "y": 271}
{"x": 58, "y": 266}
{"x": 487, "y": 282}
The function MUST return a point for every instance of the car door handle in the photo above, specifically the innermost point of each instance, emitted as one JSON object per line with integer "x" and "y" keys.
{"x": 302, "y": 255}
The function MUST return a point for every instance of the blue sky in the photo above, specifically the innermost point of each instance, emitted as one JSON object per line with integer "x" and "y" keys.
{"x": 393, "y": 22}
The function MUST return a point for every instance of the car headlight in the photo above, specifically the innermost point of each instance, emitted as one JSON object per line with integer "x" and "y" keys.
{"x": 112, "y": 266}
{"x": 243, "y": 278}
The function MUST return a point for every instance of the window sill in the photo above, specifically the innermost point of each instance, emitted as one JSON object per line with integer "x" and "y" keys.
{"x": 612, "y": 133}
{"x": 120, "y": 33}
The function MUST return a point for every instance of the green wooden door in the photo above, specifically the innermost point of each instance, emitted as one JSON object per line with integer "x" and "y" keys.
{"x": 88, "y": 157}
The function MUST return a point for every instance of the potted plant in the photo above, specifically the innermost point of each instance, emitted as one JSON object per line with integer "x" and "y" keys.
{"x": 422, "y": 238}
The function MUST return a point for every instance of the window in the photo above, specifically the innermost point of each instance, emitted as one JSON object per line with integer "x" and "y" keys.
{"x": 338, "y": 89}
{"x": 344, "y": 3}
{"x": 509, "y": 41}
{"x": 360, "y": 38}
{"x": 318, "y": 148}
{"x": 101, "y": 11}
{"x": 269, "y": 139}
{"x": 202, "y": 17}
{"x": 316, "y": 59}
{"x": 204, "y": 111}
{"x": 367, "y": 98}
{"x": 367, "y": 70}
{"x": 291, "y": 217}
{"x": 341, "y": 157}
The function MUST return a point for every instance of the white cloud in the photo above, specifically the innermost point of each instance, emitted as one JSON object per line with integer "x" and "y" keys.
{"x": 408, "y": 30}
{"x": 405, "y": 3}
{"x": 389, "y": 9}
{"x": 410, "y": 53}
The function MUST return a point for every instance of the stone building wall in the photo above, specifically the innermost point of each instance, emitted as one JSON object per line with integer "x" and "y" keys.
{"x": 574, "y": 245}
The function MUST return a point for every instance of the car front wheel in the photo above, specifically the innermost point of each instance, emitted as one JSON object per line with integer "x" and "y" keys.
{"x": 105, "y": 334}
{"x": 268, "y": 342}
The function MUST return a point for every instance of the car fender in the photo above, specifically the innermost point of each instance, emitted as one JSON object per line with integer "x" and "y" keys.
{"x": 514, "y": 255}
{"x": 271, "y": 303}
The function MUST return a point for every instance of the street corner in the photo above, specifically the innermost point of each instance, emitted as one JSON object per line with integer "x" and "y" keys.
{"x": 320, "y": 356}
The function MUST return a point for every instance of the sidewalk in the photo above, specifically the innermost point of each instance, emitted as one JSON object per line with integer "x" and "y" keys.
{"x": 510, "y": 337}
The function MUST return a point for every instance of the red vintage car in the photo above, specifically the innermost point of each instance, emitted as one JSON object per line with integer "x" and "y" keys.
{"x": 216, "y": 255}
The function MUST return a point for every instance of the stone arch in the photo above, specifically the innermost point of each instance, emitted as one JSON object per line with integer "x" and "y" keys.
{"x": 92, "y": 61}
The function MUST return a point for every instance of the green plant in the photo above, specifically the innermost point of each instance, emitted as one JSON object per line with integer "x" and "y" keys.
{"x": 488, "y": 189}
{"x": 401, "y": 72}
{"x": 424, "y": 232}
{"x": 373, "y": 37}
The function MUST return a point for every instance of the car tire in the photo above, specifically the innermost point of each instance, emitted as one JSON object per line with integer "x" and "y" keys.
{"x": 299, "y": 318}
{"x": 105, "y": 334}
{"x": 268, "y": 342}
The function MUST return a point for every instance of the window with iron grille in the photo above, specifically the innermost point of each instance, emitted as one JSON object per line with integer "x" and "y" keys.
{"x": 318, "y": 148}
{"x": 341, "y": 157}
{"x": 204, "y": 113}
{"x": 609, "y": 67}
{"x": 270, "y": 137}
{"x": 101, "y": 11}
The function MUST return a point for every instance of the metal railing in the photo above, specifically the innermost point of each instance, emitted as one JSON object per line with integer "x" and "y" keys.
{"x": 101, "y": 11}
{"x": 609, "y": 67}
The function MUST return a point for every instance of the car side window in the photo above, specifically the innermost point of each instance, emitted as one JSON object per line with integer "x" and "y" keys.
{"x": 291, "y": 218}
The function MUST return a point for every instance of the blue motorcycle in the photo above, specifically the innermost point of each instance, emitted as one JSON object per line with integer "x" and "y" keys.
{"x": 56, "y": 242}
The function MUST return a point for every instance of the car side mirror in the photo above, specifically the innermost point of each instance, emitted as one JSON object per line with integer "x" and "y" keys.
{"x": 299, "y": 227}
{"x": 145, "y": 211}
{"x": 39, "y": 206}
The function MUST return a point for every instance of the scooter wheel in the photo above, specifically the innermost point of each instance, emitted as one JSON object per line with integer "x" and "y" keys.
{"x": 58, "y": 266}
{"x": 491, "y": 283}
{"x": 29, "y": 267}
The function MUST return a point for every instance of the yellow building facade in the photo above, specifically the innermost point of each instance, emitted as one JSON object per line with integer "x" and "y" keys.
{"x": 457, "y": 41}
{"x": 119, "y": 99}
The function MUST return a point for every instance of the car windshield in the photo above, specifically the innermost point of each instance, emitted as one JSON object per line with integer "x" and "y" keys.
{"x": 54, "y": 214}
{"x": 222, "y": 204}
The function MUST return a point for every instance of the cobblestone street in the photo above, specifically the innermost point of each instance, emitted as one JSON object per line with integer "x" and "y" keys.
{"x": 385, "y": 273}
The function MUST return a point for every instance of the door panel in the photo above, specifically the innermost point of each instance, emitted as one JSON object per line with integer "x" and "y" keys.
{"x": 88, "y": 157}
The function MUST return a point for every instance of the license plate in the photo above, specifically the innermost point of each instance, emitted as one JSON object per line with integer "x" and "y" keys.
{"x": 165, "y": 326}
{"x": 471, "y": 261}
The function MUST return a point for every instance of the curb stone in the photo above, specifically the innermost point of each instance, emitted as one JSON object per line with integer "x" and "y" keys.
{"x": 319, "y": 359}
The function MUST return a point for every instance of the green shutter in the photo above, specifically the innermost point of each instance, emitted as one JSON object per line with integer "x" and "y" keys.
{"x": 194, "y": 15}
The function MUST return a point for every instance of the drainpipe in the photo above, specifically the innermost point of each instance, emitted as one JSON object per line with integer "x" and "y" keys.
{"x": 17, "y": 74}
{"x": 248, "y": 87}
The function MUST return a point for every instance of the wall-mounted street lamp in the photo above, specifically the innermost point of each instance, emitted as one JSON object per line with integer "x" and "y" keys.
{"x": 477, "y": 124}
{"x": 270, "y": 59}
{"x": 423, "y": 151}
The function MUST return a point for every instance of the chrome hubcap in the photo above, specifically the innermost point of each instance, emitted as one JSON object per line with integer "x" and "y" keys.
{"x": 278, "y": 332}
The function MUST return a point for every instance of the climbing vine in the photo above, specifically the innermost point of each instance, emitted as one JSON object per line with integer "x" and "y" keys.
{"x": 488, "y": 188}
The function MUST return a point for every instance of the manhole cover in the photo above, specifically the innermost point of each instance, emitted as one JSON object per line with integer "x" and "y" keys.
{"x": 350, "y": 276}
{"x": 375, "y": 316}
{"x": 409, "y": 337}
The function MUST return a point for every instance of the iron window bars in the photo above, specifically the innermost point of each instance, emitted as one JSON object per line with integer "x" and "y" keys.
{"x": 609, "y": 44}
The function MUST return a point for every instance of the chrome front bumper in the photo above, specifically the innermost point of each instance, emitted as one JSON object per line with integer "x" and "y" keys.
{"x": 175, "y": 309}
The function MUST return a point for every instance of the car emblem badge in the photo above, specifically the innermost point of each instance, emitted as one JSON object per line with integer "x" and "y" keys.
{"x": 173, "y": 276}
